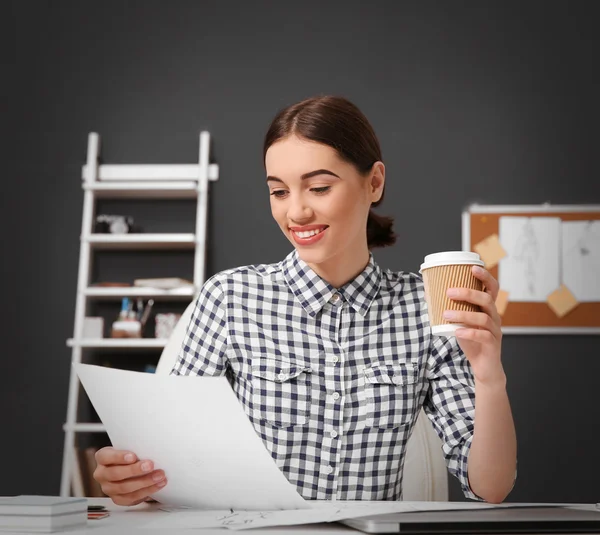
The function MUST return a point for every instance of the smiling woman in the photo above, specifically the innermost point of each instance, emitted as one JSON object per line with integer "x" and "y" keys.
{"x": 331, "y": 356}
{"x": 324, "y": 172}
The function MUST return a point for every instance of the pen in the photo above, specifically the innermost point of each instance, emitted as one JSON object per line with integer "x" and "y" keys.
{"x": 146, "y": 313}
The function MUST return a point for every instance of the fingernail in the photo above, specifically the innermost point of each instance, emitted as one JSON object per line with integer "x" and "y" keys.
{"x": 158, "y": 476}
{"x": 129, "y": 458}
{"x": 146, "y": 467}
{"x": 478, "y": 270}
{"x": 162, "y": 483}
{"x": 449, "y": 314}
{"x": 452, "y": 292}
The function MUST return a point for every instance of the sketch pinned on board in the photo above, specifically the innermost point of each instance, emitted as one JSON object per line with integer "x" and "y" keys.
{"x": 531, "y": 269}
{"x": 581, "y": 259}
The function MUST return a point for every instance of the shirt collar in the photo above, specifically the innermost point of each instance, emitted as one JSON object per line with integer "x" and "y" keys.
{"x": 313, "y": 292}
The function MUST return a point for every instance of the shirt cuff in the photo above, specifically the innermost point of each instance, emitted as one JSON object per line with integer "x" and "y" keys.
{"x": 464, "y": 473}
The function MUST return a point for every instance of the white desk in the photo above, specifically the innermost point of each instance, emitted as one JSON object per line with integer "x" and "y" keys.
{"x": 130, "y": 520}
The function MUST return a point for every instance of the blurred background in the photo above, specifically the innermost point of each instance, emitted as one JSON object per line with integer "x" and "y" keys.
{"x": 491, "y": 102}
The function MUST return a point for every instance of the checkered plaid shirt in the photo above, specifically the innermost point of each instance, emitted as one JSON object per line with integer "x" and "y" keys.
{"x": 333, "y": 379}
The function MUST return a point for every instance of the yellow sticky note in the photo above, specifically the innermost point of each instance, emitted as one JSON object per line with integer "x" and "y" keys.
{"x": 490, "y": 250}
{"x": 562, "y": 301}
{"x": 501, "y": 302}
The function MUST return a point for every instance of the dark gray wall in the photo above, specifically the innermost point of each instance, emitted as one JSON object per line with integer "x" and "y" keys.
{"x": 494, "y": 102}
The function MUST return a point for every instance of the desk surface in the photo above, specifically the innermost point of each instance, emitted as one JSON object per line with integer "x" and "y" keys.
{"x": 135, "y": 520}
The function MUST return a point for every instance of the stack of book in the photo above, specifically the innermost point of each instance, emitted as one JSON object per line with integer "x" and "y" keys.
{"x": 42, "y": 514}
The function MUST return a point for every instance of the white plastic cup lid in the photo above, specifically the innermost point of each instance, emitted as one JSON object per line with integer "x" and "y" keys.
{"x": 448, "y": 258}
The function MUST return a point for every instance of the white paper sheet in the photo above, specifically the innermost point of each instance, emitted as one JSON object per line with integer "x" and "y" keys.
{"x": 321, "y": 512}
{"x": 531, "y": 269}
{"x": 581, "y": 259}
{"x": 195, "y": 429}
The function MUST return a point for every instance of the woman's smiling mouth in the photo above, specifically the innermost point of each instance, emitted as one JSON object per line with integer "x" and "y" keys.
{"x": 309, "y": 234}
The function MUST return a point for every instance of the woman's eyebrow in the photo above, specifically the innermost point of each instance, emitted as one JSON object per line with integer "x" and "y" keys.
{"x": 307, "y": 175}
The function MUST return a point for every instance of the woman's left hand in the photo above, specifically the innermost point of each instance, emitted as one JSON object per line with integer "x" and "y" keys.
{"x": 481, "y": 341}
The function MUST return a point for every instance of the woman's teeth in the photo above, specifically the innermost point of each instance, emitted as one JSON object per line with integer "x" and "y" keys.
{"x": 308, "y": 233}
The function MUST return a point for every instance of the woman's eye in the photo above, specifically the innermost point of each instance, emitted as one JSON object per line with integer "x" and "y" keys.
{"x": 279, "y": 193}
{"x": 323, "y": 189}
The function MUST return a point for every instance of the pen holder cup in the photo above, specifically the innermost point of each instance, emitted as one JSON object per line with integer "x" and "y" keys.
{"x": 126, "y": 329}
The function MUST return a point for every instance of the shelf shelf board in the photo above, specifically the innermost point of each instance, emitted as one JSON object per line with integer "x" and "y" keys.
{"x": 151, "y": 172}
{"x": 118, "y": 292}
{"x": 119, "y": 343}
{"x": 142, "y": 241}
{"x": 143, "y": 190}
{"x": 85, "y": 428}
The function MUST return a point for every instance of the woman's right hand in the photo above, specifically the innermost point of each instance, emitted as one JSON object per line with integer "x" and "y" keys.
{"x": 124, "y": 478}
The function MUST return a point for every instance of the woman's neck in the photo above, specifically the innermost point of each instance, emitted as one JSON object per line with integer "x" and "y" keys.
{"x": 342, "y": 268}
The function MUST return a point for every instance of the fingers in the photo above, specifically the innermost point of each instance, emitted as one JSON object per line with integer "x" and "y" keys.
{"x": 481, "y": 336}
{"x": 108, "y": 455}
{"x": 479, "y": 320}
{"x": 489, "y": 282}
{"x": 131, "y": 487}
{"x": 122, "y": 472}
{"x": 126, "y": 479}
{"x": 482, "y": 299}
{"x": 137, "y": 496}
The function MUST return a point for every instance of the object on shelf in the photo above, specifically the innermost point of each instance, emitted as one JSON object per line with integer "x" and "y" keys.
{"x": 93, "y": 327}
{"x": 126, "y": 329}
{"x": 163, "y": 283}
{"x": 114, "y": 224}
{"x": 165, "y": 324}
{"x": 111, "y": 285}
{"x": 127, "y": 325}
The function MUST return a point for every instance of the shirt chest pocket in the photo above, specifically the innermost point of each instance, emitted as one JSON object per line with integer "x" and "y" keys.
{"x": 390, "y": 392}
{"x": 281, "y": 392}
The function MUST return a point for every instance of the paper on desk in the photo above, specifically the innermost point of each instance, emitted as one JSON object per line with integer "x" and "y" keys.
{"x": 321, "y": 511}
{"x": 195, "y": 429}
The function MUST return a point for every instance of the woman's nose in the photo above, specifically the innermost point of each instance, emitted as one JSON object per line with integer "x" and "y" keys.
{"x": 298, "y": 210}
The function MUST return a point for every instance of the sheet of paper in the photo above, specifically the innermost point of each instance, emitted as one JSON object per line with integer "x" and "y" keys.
{"x": 502, "y": 301}
{"x": 321, "y": 511}
{"x": 195, "y": 429}
{"x": 531, "y": 269}
{"x": 490, "y": 250}
{"x": 562, "y": 301}
{"x": 581, "y": 259}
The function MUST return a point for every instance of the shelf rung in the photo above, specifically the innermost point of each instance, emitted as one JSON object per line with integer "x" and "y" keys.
{"x": 119, "y": 343}
{"x": 142, "y": 241}
{"x": 117, "y": 292}
{"x": 151, "y": 172}
{"x": 143, "y": 190}
{"x": 85, "y": 428}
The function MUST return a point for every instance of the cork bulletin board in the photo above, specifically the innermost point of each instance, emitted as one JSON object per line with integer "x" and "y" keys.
{"x": 547, "y": 261}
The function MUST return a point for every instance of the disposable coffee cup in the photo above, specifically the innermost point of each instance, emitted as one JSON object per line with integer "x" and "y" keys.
{"x": 450, "y": 269}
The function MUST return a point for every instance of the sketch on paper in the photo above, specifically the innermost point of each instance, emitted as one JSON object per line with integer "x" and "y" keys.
{"x": 531, "y": 269}
{"x": 581, "y": 259}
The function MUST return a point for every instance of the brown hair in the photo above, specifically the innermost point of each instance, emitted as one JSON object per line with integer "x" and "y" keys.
{"x": 338, "y": 123}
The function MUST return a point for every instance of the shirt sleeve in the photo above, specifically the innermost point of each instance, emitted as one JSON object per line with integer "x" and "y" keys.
{"x": 204, "y": 347}
{"x": 450, "y": 405}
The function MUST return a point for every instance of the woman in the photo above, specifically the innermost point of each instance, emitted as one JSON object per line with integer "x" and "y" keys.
{"x": 331, "y": 356}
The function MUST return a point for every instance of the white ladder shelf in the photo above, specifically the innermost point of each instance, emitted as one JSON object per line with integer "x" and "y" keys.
{"x": 130, "y": 181}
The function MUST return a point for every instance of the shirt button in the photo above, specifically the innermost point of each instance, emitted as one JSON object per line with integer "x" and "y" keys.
{"x": 333, "y": 433}
{"x": 335, "y": 396}
{"x": 282, "y": 376}
{"x": 328, "y": 469}
{"x": 335, "y": 298}
{"x": 334, "y": 359}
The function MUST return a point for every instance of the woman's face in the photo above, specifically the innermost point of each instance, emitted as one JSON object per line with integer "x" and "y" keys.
{"x": 320, "y": 202}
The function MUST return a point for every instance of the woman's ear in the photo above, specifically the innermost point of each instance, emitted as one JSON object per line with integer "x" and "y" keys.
{"x": 377, "y": 181}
